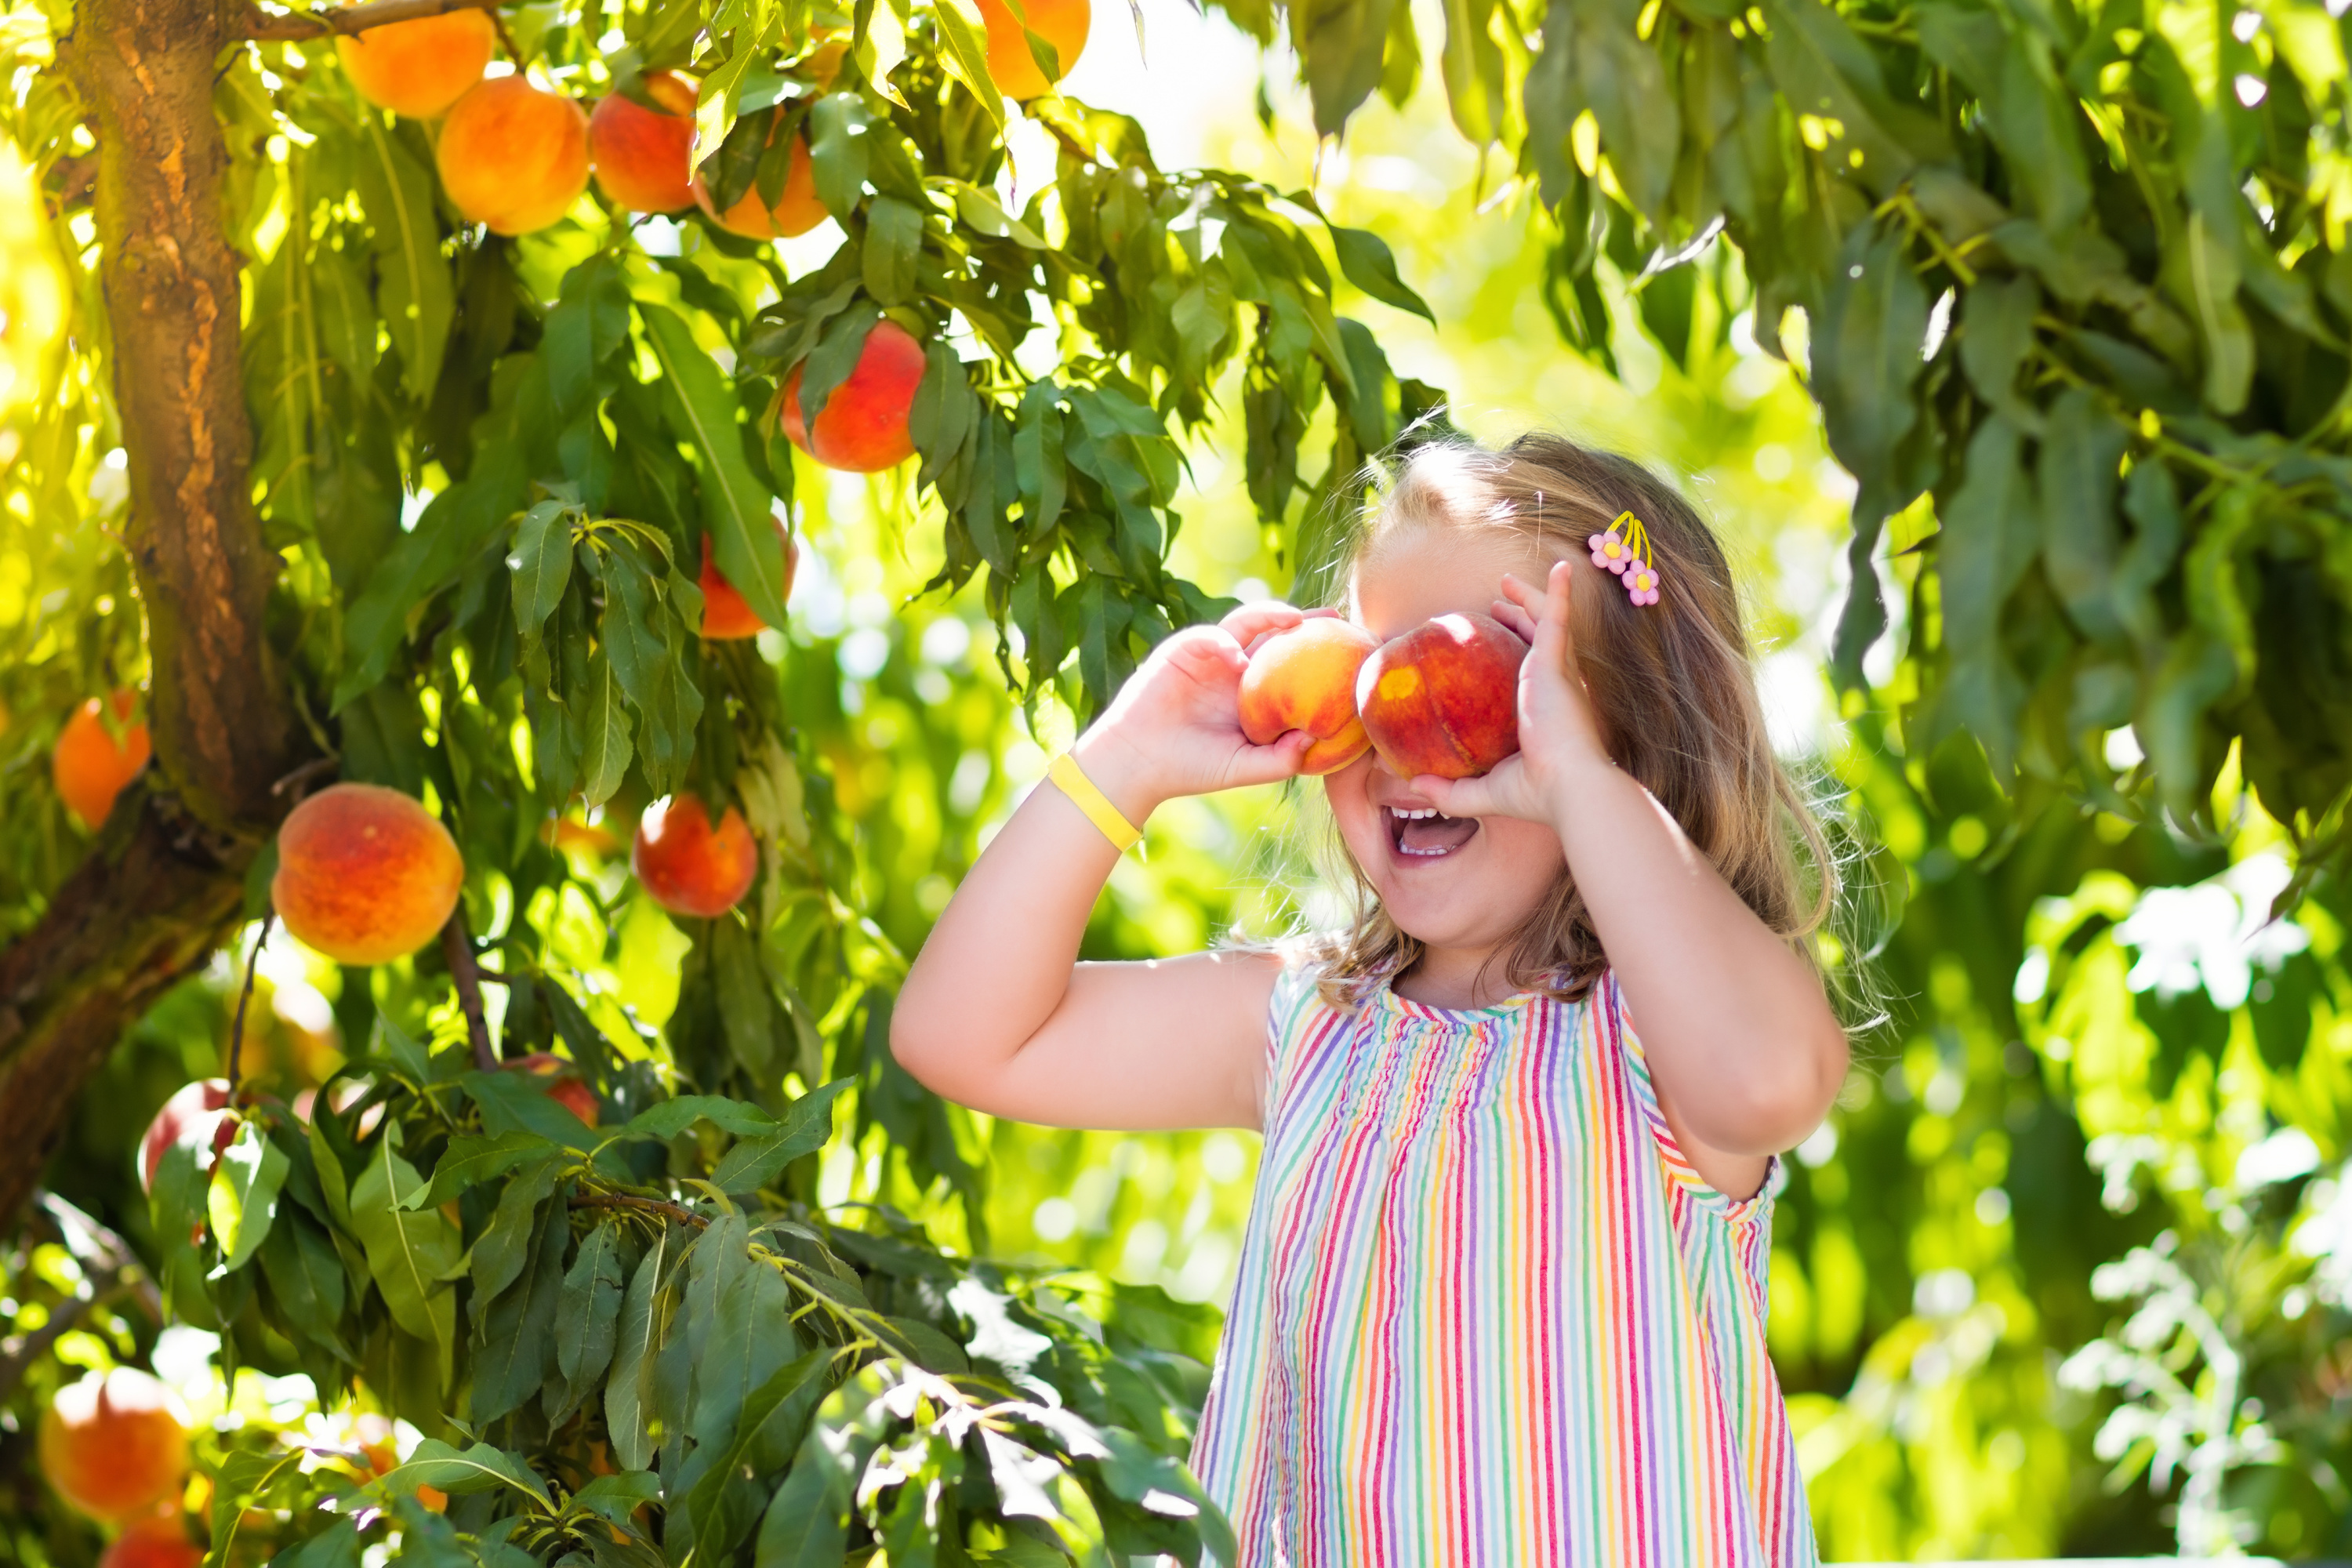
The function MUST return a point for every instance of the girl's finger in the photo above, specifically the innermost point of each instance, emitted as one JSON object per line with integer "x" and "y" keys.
{"x": 1249, "y": 622}
{"x": 1555, "y": 635}
{"x": 1269, "y": 763}
{"x": 1517, "y": 619}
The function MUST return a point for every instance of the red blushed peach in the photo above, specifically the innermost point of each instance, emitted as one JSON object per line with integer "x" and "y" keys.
{"x": 725, "y": 612}
{"x": 512, "y": 158}
{"x": 158, "y": 1542}
{"x": 687, "y": 866}
{"x": 1305, "y": 678}
{"x": 864, "y": 426}
{"x": 365, "y": 875}
{"x": 91, "y": 766}
{"x": 642, "y": 156}
{"x": 419, "y": 68}
{"x": 1011, "y": 65}
{"x": 562, "y": 1087}
{"x": 1443, "y": 697}
{"x": 194, "y": 1113}
{"x": 796, "y": 211}
{"x": 115, "y": 1444}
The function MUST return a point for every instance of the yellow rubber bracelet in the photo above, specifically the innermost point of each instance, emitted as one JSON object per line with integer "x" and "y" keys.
{"x": 1071, "y": 779}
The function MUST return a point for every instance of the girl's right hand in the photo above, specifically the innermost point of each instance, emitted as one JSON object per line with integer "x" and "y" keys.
{"x": 1174, "y": 728}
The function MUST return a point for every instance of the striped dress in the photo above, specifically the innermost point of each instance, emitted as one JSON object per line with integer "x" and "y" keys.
{"x": 1486, "y": 1313}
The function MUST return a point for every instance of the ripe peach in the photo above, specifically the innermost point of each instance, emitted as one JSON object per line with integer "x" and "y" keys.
{"x": 115, "y": 1444}
{"x": 364, "y": 874}
{"x": 573, "y": 836}
{"x": 1011, "y": 66}
{"x": 687, "y": 867}
{"x": 797, "y": 209}
{"x": 194, "y": 1114}
{"x": 382, "y": 1451}
{"x": 419, "y": 68}
{"x": 863, "y": 426}
{"x": 562, "y": 1087}
{"x": 512, "y": 157}
{"x": 90, "y": 767}
{"x": 158, "y": 1542}
{"x": 724, "y": 612}
{"x": 641, "y": 155}
{"x": 1305, "y": 678}
{"x": 1444, "y": 697}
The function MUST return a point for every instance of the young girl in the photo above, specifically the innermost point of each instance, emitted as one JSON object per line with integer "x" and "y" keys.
{"x": 1502, "y": 1295}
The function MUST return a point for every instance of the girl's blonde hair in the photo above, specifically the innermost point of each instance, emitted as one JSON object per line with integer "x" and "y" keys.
{"x": 1671, "y": 685}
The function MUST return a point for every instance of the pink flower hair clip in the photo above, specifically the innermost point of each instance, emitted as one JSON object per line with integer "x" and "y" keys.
{"x": 1624, "y": 547}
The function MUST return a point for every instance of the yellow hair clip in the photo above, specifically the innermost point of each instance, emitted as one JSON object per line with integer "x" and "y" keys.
{"x": 1624, "y": 547}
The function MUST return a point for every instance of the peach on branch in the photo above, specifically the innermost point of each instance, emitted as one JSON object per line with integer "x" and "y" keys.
{"x": 688, "y": 866}
{"x": 725, "y": 612}
{"x": 1011, "y": 65}
{"x": 365, "y": 875}
{"x": 115, "y": 1444}
{"x": 511, "y": 157}
{"x": 797, "y": 208}
{"x": 643, "y": 157}
{"x": 1305, "y": 678}
{"x": 559, "y": 1082}
{"x": 1443, "y": 698}
{"x": 161, "y": 1541}
{"x": 91, "y": 766}
{"x": 863, "y": 426}
{"x": 419, "y": 68}
{"x": 197, "y": 1114}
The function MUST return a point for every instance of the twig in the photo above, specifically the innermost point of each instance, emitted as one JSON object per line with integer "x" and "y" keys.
{"x": 294, "y": 25}
{"x": 458, "y": 948}
{"x": 237, "y": 1027}
{"x": 662, "y": 1206}
{"x": 306, "y": 772}
{"x": 117, "y": 1272}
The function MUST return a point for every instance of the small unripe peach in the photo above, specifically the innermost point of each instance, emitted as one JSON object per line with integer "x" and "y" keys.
{"x": 725, "y": 612}
{"x": 158, "y": 1542}
{"x": 863, "y": 428}
{"x": 797, "y": 208}
{"x": 419, "y": 68}
{"x": 1443, "y": 698}
{"x": 115, "y": 1444}
{"x": 1010, "y": 64}
{"x": 511, "y": 157}
{"x": 365, "y": 875}
{"x": 197, "y": 1114}
{"x": 689, "y": 868}
{"x": 91, "y": 766}
{"x": 643, "y": 157}
{"x": 1305, "y": 678}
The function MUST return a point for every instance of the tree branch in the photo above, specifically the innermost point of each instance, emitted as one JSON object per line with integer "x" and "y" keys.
{"x": 297, "y": 24}
{"x": 662, "y": 1206}
{"x": 117, "y": 1273}
{"x": 458, "y": 948}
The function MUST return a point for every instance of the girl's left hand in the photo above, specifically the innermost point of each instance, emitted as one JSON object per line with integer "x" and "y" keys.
{"x": 1558, "y": 735}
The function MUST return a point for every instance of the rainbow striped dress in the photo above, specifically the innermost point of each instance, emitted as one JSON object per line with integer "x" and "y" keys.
{"x": 1486, "y": 1313}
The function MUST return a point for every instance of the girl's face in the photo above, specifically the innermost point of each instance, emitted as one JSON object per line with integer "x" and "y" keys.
{"x": 1461, "y": 884}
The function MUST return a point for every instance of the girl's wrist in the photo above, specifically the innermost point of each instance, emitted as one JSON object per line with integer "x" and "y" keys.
{"x": 1116, "y": 769}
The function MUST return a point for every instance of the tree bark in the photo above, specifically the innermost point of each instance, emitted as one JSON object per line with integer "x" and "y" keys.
{"x": 165, "y": 886}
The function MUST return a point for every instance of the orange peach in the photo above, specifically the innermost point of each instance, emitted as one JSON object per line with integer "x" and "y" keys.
{"x": 419, "y": 68}
{"x": 365, "y": 875}
{"x": 158, "y": 1542}
{"x": 511, "y": 157}
{"x": 1305, "y": 678}
{"x": 725, "y": 612}
{"x": 115, "y": 1444}
{"x": 559, "y": 1082}
{"x": 573, "y": 836}
{"x": 194, "y": 1114}
{"x": 1444, "y": 697}
{"x": 91, "y": 766}
{"x": 383, "y": 1450}
{"x": 1011, "y": 66}
{"x": 797, "y": 208}
{"x": 689, "y": 868}
{"x": 863, "y": 428}
{"x": 643, "y": 156}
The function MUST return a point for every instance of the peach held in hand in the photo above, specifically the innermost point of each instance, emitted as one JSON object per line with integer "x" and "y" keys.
{"x": 365, "y": 875}
{"x": 1443, "y": 697}
{"x": 1305, "y": 678}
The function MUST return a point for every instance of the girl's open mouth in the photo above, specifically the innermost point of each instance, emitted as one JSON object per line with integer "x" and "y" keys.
{"x": 1421, "y": 833}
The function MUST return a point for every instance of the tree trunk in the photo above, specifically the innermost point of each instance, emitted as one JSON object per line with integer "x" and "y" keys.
{"x": 164, "y": 887}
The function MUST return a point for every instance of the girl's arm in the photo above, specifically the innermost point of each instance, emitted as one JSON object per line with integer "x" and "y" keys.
{"x": 997, "y": 1012}
{"x": 1743, "y": 1048}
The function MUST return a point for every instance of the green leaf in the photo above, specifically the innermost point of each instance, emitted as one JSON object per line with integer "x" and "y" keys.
{"x": 469, "y": 1162}
{"x": 587, "y": 1321}
{"x": 749, "y": 1337}
{"x": 735, "y": 506}
{"x": 1996, "y": 335}
{"x": 478, "y": 1468}
{"x": 306, "y": 1275}
{"x": 1340, "y": 45}
{"x": 1368, "y": 263}
{"x": 515, "y": 1342}
{"x": 806, "y": 1126}
{"x": 242, "y": 1200}
{"x": 672, "y": 1117}
{"x": 542, "y": 564}
{"x": 773, "y": 1422}
{"x": 894, "y": 245}
{"x": 807, "y": 1521}
{"x": 588, "y": 328}
{"x": 411, "y": 1255}
{"x": 840, "y": 135}
{"x": 615, "y": 1497}
{"x": 637, "y": 1344}
{"x": 514, "y": 1102}
{"x": 964, "y": 54}
{"x": 605, "y": 748}
{"x": 337, "y": 1546}
{"x": 413, "y": 285}
{"x": 2081, "y": 541}
{"x": 981, "y": 210}
{"x": 1984, "y": 550}
{"x": 504, "y": 1245}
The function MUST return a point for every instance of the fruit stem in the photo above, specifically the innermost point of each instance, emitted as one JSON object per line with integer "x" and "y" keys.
{"x": 458, "y": 948}
{"x": 244, "y": 997}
